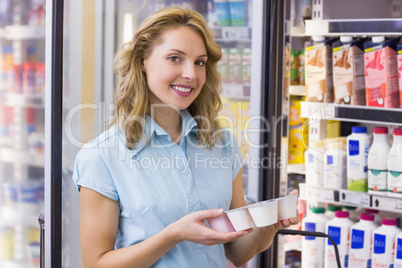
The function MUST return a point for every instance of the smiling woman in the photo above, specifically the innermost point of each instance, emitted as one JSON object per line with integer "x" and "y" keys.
{"x": 165, "y": 166}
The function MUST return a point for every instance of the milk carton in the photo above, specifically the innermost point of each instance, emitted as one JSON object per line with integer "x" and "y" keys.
{"x": 361, "y": 242}
{"x": 314, "y": 164}
{"x": 318, "y": 70}
{"x": 384, "y": 243}
{"x": 380, "y": 60}
{"x": 313, "y": 247}
{"x": 399, "y": 47}
{"x": 348, "y": 71}
{"x": 335, "y": 164}
{"x": 339, "y": 230}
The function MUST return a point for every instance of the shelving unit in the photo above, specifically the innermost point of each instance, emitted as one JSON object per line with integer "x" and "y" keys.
{"x": 232, "y": 33}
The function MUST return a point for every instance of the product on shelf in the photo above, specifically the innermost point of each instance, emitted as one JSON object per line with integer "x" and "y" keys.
{"x": 235, "y": 65}
{"x": 376, "y": 213}
{"x": 384, "y": 243}
{"x": 354, "y": 214}
{"x": 314, "y": 163}
{"x": 358, "y": 144}
{"x": 222, "y": 9}
{"x": 331, "y": 209}
{"x": 246, "y": 65}
{"x": 334, "y": 170}
{"x": 381, "y": 65}
{"x": 237, "y": 12}
{"x": 360, "y": 241}
{"x": 223, "y": 66}
{"x": 301, "y": 67}
{"x": 377, "y": 162}
{"x": 339, "y": 230}
{"x": 348, "y": 71}
{"x": 294, "y": 66}
{"x": 398, "y": 251}
{"x": 318, "y": 70}
{"x": 297, "y": 132}
{"x": 399, "y": 47}
{"x": 313, "y": 247}
{"x": 394, "y": 178}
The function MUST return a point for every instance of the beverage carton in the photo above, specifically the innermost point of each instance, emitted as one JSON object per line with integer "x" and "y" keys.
{"x": 399, "y": 47}
{"x": 348, "y": 71}
{"x": 318, "y": 70}
{"x": 381, "y": 65}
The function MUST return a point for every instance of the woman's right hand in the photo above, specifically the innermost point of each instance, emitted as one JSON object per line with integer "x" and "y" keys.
{"x": 192, "y": 227}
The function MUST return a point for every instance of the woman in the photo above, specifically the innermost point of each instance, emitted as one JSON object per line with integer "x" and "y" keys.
{"x": 148, "y": 184}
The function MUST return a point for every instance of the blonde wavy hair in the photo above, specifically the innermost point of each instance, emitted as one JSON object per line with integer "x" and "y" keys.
{"x": 132, "y": 92}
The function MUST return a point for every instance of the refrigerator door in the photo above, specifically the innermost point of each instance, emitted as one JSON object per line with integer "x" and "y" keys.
{"x": 22, "y": 74}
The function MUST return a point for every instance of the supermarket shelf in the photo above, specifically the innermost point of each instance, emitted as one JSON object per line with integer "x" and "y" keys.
{"x": 353, "y": 113}
{"x": 296, "y": 169}
{"x": 9, "y": 155}
{"x": 346, "y": 197}
{"x": 294, "y": 245}
{"x": 297, "y": 90}
{"x": 354, "y": 27}
{"x": 232, "y": 33}
{"x": 23, "y": 32}
{"x": 23, "y": 100}
{"x": 297, "y": 31}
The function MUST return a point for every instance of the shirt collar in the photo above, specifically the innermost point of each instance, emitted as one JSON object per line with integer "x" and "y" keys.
{"x": 151, "y": 128}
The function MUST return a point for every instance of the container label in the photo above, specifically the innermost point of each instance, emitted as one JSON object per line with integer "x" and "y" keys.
{"x": 353, "y": 147}
{"x": 310, "y": 226}
{"x": 335, "y": 233}
{"x": 357, "y": 239}
{"x": 399, "y": 248}
{"x": 394, "y": 181}
{"x": 379, "y": 244}
{"x": 377, "y": 180}
{"x": 330, "y": 159}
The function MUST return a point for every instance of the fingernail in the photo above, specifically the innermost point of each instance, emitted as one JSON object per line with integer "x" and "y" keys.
{"x": 219, "y": 210}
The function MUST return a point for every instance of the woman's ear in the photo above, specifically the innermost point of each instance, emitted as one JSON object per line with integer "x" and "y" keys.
{"x": 142, "y": 65}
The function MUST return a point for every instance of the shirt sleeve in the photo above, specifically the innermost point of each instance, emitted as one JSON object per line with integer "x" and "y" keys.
{"x": 91, "y": 171}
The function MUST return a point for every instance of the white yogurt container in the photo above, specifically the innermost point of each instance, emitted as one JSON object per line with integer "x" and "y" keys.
{"x": 264, "y": 213}
{"x": 287, "y": 207}
{"x": 221, "y": 223}
{"x": 240, "y": 218}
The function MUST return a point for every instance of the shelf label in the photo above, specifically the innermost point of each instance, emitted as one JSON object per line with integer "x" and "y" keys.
{"x": 235, "y": 33}
{"x": 387, "y": 203}
{"x": 354, "y": 198}
{"x": 315, "y": 194}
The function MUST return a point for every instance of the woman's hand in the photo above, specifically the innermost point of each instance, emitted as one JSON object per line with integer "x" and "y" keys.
{"x": 288, "y": 222}
{"x": 192, "y": 227}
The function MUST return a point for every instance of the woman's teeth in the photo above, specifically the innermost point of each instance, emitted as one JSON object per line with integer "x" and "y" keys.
{"x": 181, "y": 89}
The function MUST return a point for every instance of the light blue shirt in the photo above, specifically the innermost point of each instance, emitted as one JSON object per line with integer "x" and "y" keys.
{"x": 159, "y": 183}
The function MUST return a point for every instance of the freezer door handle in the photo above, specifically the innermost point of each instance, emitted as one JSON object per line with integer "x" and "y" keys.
{"x": 41, "y": 220}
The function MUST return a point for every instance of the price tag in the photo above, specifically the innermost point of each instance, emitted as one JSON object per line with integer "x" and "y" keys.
{"x": 316, "y": 194}
{"x": 387, "y": 203}
{"x": 329, "y": 111}
{"x": 354, "y": 198}
{"x": 235, "y": 33}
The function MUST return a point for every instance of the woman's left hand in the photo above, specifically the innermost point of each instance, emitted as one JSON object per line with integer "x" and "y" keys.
{"x": 282, "y": 224}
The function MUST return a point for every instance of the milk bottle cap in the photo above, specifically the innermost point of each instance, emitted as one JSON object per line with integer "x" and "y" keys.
{"x": 371, "y": 211}
{"x": 346, "y": 38}
{"x": 390, "y": 222}
{"x": 333, "y": 208}
{"x": 359, "y": 130}
{"x": 398, "y": 131}
{"x": 367, "y": 217}
{"x": 318, "y": 210}
{"x": 380, "y": 130}
{"x": 342, "y": 214}
{"x": 378, "y": 39}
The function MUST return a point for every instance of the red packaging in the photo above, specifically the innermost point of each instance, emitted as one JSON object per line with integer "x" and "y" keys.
{"x": 40, "y": 77}
{"x": 15, "y": 79}
{"x": 28, "y": 78}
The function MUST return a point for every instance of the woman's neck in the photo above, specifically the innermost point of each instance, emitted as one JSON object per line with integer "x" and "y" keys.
{"x": 170, "y": 120}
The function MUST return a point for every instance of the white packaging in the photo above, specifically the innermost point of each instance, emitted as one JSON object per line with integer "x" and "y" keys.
{"x": 313, "y": 247}
{"x": 398, "y": 251}
{"x": 384, "y": 243}
{"x": 358, "y": 144}
{"x": 314, "y": 164}
{"x": 331, "y": 209}
{"x": 360, "y": 241}
{"x": 354, "y": 215}
{"x": 339, "y": 230}
{"x": 335, "y": 165}
{"x": 377, "y": 162}
{"x": 394, "y": 177}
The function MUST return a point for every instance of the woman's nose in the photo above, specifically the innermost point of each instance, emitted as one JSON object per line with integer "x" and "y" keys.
{"x": 189, "y": 72}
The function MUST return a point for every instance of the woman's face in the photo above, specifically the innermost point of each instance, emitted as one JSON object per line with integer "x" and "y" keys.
{"x": 176, "y": 68}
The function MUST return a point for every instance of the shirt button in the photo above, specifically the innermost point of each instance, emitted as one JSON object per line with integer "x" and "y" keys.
{"x": 199, "y": 245}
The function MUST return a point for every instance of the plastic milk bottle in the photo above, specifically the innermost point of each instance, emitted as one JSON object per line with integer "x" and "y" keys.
{"x": 395, "y": 165}
{"x": 313, "y": 247}
{"x": 398, "y": 251}
{"x": 384, "y": 243}
{"x": 360, "y": 241}
{"x": 331, "y": 209}
{"x": 335, "y": 164}
{"x": 377, "y": 162}
{"x": 338, "y": 230}
{"x": 358, "y": 144}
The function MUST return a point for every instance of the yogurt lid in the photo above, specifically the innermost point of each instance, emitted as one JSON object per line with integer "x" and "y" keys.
{"x": 380, "y": 130}
{"x": 359, "y": 130}
{"x": 391, "y": 222}
{"x": 367, "y": 217}
{"x": 342, "y": 214}
{"x": 398, "y": 131}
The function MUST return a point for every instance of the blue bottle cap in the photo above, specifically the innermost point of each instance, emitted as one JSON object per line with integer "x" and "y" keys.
{"x": 359, "y": 130}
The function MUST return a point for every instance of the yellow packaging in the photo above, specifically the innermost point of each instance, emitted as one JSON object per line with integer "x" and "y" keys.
{"x": 244, "y": 125}
{"x": 298, "y": 132}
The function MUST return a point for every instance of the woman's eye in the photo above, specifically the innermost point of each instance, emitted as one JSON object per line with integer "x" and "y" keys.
{"x": 200, "y": 63}
{"x": 173, "y": 58}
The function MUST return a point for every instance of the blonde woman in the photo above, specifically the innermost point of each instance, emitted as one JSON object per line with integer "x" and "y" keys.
{"x": 148, "y": 184}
